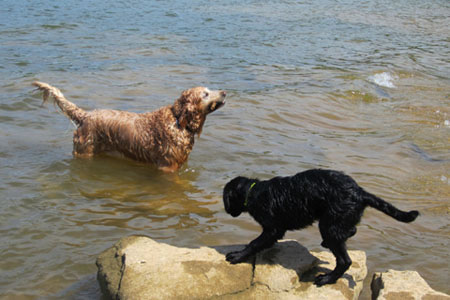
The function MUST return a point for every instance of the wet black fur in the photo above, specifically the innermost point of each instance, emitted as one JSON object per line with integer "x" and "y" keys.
{"x": 287, "y": 203}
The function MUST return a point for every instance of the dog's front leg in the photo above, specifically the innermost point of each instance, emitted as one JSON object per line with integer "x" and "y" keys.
{"x": 266, "y": 239}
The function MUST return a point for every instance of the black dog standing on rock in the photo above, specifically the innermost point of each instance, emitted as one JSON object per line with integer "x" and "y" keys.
{"x": 295, "y": 202}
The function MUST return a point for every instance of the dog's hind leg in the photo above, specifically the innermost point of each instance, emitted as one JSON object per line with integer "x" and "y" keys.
{"x": 83, "y": 143}
{"x": 324, "y": 244}
{"x": 336, "y": 235}
{"x": 343, "y": 262}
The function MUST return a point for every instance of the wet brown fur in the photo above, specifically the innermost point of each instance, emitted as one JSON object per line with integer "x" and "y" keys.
{"x": 164, "y": 137}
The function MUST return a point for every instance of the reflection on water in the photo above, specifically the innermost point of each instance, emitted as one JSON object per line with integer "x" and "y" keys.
{"x": 357, "y": 87}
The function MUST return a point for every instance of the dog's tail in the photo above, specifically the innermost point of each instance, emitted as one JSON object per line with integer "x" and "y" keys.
{"x": 389, "y": 209}
{"x": 72, "y": 111}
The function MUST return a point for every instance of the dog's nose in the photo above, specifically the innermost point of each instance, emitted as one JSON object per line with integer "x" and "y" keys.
{"x": 223, "y": 93}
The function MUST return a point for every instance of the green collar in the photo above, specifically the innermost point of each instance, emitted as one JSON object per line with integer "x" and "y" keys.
{"x": 248, "y": 193}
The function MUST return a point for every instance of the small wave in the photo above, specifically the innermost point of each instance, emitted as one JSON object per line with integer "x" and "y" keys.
{"x": 383, "y": 79}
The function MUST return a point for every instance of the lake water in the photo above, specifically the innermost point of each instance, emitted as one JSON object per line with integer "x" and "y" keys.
{"x": 358, "y": 86}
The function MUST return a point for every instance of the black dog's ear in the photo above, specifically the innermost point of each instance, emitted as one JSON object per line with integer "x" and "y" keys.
{"x": 234, "y": 196}
{"x": 227, "y": 195}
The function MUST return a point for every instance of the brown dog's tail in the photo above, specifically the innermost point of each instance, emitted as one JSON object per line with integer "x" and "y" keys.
{"x": 72, "y": 111}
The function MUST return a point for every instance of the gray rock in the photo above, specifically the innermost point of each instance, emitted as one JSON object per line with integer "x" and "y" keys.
{"x": 137, "y": 267}
{"x": 280, "y": 266}
{"x": 403, "y": 285}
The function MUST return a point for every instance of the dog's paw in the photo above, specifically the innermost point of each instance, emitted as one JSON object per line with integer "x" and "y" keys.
{"x": 235, "y": 257}
{"x": 324, "y": 279}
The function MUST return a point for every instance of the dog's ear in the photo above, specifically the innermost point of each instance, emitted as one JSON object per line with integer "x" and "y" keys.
{"x": 228, "y": 196}
{"x": 188, "y": 113}
{"x": 234, "y": 196}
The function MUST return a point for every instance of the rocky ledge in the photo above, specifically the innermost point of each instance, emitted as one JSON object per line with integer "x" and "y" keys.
{"x": 138, "y": 267}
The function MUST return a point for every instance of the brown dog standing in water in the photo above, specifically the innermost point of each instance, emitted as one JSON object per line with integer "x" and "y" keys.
{"x": 163, "y": 138}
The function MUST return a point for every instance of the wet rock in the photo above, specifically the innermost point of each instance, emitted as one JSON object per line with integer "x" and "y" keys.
{"x": 348, "y": 287}
{"x": 280, "y": 266}
{"x": 404, "y": 285}
{"x": 137, "y": 267}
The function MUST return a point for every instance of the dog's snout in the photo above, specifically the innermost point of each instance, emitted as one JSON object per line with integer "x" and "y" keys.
{"x": 223, "y": 93}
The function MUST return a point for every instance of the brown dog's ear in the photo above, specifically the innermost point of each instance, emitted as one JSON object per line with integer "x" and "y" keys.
{"x": 178, "y": 110}
{"x": 187, "y": 111}
{"x": 183, "y": 119}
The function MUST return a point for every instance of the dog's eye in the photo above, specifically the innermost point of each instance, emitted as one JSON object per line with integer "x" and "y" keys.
{"x": 205, "y": 94}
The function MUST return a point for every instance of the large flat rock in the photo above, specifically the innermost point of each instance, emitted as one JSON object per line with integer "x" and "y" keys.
{"x": 138, "y": 267}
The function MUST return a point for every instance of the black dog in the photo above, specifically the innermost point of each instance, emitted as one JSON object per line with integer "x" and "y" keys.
{"x": 295, "y": 202}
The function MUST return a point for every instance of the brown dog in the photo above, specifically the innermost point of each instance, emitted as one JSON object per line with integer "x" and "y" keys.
{"x": 163, "y": 138}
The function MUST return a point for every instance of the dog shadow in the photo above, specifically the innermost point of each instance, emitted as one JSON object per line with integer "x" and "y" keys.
{"x": 310, "y": 275}
{"x": 290, "y": 255}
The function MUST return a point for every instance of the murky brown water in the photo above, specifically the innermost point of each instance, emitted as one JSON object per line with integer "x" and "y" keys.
{"x": 364, "y": 89}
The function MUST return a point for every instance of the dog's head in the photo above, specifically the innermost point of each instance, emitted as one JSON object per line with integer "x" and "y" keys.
{"x": 234, "y": 194}
{"x": 194, "y": 105}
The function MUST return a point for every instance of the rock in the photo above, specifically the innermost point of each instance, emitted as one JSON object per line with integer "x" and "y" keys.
{"x": 137, "y": 267}
{"x": 281, "y": 271}
{"x": 404, "y": 285}
{"x": 349, "y": 286}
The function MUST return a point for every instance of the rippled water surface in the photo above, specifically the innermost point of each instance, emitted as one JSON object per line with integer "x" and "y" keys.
{"x": 358, "y": 86}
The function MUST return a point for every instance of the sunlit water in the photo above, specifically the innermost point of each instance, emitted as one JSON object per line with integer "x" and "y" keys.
{"x": 358, "y": 86}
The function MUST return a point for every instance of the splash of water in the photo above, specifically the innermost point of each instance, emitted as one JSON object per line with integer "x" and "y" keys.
{"x": 384, "y": 79}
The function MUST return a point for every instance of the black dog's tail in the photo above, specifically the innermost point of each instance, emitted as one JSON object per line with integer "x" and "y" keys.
{"x": 389, "y": 209}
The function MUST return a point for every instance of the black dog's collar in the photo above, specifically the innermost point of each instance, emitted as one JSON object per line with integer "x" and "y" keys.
{"x": 248, "y": 193}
